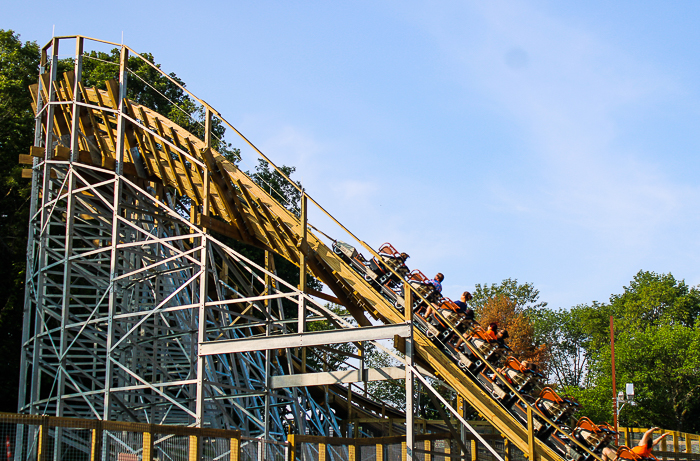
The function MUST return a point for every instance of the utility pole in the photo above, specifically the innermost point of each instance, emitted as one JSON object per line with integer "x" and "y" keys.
{"x": 614, "y": 389}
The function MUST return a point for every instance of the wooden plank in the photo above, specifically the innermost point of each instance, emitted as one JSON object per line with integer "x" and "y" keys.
{"x": 215, "y": 202}
{"x": 173, "y": 173}
{"x": 113, "y": 93}
{"x": 220, "y": 227}
{"x": 36, "y": 151}
{"x": 26, "y": 173}
{"x": 60, "y": 125}
{"x": 103, "y": 131}
{"x": 273, "y": 238}
{"x": 34, "y": 92}
{"x": 25, "y": 159}
{"x": 229, "y": 196}
{"x": 90, "y": 128}
{"x": 153, "y": 144}
{"x": 62, "y": 153}
{"x": 184, "y": 170}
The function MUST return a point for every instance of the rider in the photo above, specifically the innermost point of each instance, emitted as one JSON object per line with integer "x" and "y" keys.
{"x": 492, "y": 332}
{"x": 437, "y": 282}
{"x": 647, "y": 443}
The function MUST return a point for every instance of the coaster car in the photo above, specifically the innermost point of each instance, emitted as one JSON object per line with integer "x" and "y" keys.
{"x": 422, "y": 285}
{"x": 375, "y": 271}
{"x": 556, "y": 408}
{"x": 595, "y": 437}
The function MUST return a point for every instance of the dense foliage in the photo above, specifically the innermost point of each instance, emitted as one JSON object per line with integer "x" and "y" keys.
{"x": 657, "y": 347}
{"x": 19, "y": 68}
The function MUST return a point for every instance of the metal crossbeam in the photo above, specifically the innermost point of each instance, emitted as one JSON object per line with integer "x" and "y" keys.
{"x": 318, "y": 338}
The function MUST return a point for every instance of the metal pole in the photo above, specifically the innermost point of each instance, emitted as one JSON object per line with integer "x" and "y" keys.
{"x": 202, "y": 322}
{"x": 114, "y": 261}
{"x": 268, "y": 332}
{"x": 408, "y": 315}
{"x": 301, "y": 319}
{"x": 614, "y": 389}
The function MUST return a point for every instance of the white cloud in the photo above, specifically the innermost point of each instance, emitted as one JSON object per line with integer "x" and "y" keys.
{"x": 566, "y": 89}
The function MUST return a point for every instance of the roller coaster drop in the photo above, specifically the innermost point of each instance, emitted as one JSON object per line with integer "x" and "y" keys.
{"x": 514, "y": 385}
{"x": 137, "y": 310}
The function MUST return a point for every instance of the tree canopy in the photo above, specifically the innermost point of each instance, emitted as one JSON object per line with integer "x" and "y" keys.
{"x": 19, "y": 68}
{"x": 657, "y": 348}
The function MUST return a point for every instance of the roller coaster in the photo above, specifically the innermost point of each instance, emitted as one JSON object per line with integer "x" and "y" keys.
{"x": 140, "y": 307}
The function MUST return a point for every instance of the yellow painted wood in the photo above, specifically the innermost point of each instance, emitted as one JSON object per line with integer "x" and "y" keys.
{"x": 194, "y": 448}
{"x": 292, "y": 447}
{"x": 147, "y": 452}
{"x": 235, "y": 449}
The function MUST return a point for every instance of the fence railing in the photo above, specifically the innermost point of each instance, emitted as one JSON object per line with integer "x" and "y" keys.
{"x": 675, "y": 446}
{"x": 49, "y": 438}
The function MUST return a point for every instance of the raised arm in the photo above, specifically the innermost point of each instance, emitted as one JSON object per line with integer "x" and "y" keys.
{"x": 646, "y": 438}
{"x": 660, "y": 438}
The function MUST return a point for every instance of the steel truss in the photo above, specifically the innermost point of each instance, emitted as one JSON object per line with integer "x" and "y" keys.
{"x": 134, "y": 311}
{"x": 122, "y": 290}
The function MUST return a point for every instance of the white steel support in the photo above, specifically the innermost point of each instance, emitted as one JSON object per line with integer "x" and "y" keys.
{"x": 44, "y": 227}
{"x": 119, "y": 168}
{"x": 409, "y": 379}
{"x": 136, "y": 312}
{"x": 268, "y": 331}
{"x": 301, "y": 313}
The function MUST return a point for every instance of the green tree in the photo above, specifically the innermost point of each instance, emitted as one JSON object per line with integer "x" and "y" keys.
{"x": 277, "y": 185}
{"x": 657, "y": 347}
{"x": 524, "y": 295}
{"x": 570, "y": 335}
{"x": 19, "y": 68}
{"x": 147, "y": 86}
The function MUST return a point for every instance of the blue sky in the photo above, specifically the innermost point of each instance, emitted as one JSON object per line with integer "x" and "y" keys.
{"x": 555, "y": 143}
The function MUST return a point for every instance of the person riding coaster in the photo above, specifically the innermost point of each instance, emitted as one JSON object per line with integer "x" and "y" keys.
{"x": 427, "y": 288}
{"x": 376, "y": 271}
{"x": 510, "y": 381}
{"x": 549, "y": 404}
{"x": 523, "y": 376}
{"x": 558, "y": 409}
{"x": 479, "y": 345}
{"x": 596, "y": 438}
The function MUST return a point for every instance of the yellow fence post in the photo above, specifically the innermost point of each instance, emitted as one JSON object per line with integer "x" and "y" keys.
{"x": 96, "y": 448}
{"x": 403, "y": 450}
{"x": 379, "y": 452}
{"x": 43, "y": 444}
{"x": 506, "y": 449}
{"x": 688, "y": 443}
{"x": 321, "y": 451}
{"x": 664, "y": 448}
{"x": 675, "y": 442}
{"x": 475, "y": 450}
{"x": 194, "y": 448}
{"x": 235, "y": 449}
{"x": 292, "y": 448}
{"x": 427, "y": 447}
{"x": 148, "y": 445}
{"x": 351, "y": 451}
